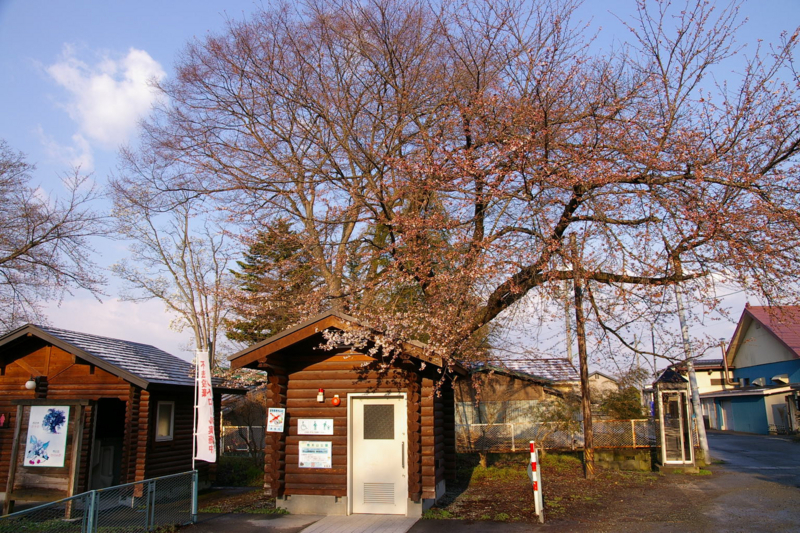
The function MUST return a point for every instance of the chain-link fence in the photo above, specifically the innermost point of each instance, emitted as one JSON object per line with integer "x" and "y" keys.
{"x": 511, "y": 437}
{"x": 142, "y": 506}
{"x": 514, "y": 437}
{"x": 242, "y": 440}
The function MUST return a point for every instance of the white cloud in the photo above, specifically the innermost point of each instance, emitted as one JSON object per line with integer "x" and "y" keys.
{"x": 107, "y": 99}
{"x": 77, "y": 155}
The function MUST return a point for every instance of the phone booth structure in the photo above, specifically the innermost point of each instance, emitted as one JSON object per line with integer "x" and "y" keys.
{"x": 675, "y": 419}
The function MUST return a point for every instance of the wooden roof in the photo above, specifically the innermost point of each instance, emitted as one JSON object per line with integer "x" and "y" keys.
{"x": 140, "y": 364}
{"x": 782, "y": 322}
{"x": 314, "y": 326}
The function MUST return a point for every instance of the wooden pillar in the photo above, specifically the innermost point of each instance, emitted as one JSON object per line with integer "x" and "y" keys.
{"x": 414, "y": 410}
{"x": 86, "y": 449}
{"x": 432, "y": 442}
{"x": 8, "y": 503}
{"x": 128, "y": 470}
{"x": 275, "y": 443}
{"x": 142, "y": 437}
{"x": 449, "y": 414}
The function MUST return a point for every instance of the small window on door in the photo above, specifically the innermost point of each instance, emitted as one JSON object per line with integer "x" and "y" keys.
{"x": 378, "y": 422}
{"x": 165, "y": 419}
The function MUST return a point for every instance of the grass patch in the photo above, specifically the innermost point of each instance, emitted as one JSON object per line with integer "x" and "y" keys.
{"x": 266, "y": 510}
{"x": 703, "y": 472}
{"x": 436, "y": 514}
{"x": 494, "y": 473}
{"x": 501, "y": 517}
{"x": 560, "y": 462}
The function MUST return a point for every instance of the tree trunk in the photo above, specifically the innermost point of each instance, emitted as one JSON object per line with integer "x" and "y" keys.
{"x": 586, "y": 404}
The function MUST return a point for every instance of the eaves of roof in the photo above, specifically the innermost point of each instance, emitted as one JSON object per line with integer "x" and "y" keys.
{"x": 765, "y": 391}
{"x": 317, "y": 324}
{"x": 29, "y": 330}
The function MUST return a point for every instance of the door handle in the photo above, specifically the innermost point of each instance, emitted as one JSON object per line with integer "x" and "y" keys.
{"x": 402, "y": 454}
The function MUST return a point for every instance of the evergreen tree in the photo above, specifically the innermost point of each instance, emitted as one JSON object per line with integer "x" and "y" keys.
{"x": 274, "y": 284}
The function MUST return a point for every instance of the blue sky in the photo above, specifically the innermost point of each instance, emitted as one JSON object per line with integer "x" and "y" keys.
{"x": 73, "y": 88}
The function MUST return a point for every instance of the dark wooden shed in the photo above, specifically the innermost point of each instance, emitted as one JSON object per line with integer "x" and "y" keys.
{"x": 361, "y": 434}
{"x": 128, "y": 408}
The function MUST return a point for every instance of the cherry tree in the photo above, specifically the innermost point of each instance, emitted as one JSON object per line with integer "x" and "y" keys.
{"x": 436, "y": 161}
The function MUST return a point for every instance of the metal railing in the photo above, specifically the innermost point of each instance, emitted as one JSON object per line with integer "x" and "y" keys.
{"x": 512, "y": 437}
{"x": 240, "y": 440}
{"x": 141, "y": 506}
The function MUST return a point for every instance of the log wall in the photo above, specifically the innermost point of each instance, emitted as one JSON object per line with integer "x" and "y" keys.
{"x": 169, "y": 456}
{"x": 294, "y": 382}
{"x": 336, "y": 374}
{"x": 66, "y": 377}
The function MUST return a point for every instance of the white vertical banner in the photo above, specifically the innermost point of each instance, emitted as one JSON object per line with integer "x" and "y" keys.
{"x": 205, "y": 442}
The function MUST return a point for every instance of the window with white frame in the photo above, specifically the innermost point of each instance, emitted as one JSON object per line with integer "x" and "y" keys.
{"x": 165, "y": 420}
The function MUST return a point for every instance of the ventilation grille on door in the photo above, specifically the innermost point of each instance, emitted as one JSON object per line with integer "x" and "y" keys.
{"x": 379, "y": 493}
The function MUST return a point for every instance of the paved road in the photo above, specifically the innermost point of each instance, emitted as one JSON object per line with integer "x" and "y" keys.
{"x": 768, "y": 458}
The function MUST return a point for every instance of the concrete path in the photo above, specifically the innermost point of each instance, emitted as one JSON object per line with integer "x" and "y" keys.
{"x": 362, "y": 523}
{"x": 250, "y": 523}
{"x": 254, "y": 523}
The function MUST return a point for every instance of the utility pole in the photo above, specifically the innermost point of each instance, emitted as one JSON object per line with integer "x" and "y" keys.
{"x": 568, "y": 319}
{"x": 580, "y": 330}
{"x": 698, "y": 412}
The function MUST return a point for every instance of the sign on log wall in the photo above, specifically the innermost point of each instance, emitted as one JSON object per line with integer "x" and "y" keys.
{"x": 45, "y": 454}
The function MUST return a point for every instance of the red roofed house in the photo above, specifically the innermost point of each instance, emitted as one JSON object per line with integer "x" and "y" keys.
{"x": 764, "y": 355}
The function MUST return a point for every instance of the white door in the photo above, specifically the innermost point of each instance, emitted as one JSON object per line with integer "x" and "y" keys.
{"x": 378, "y": 435}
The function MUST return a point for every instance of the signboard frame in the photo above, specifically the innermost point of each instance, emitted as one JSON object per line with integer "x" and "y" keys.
{"x": 315, "y": 454}
{"x": 276, "y": 418}
{"x": 315, "y": 426}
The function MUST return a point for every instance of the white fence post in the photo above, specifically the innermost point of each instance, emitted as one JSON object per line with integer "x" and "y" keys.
{"x": 535, "y": 474}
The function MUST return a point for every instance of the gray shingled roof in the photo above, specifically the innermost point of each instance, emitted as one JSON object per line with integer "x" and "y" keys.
{"x": 141, "y": 364}
{"x": 550, "y": 368}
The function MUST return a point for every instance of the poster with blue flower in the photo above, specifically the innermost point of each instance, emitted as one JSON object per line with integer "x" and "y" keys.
{"x": 47, "y": 436}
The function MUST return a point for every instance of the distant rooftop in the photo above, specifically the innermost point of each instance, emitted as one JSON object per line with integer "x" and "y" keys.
{"x": 783, "y": 322}
{"x": 707, "y": 363}
{"x": 141, "y": 364}
{"x": 554, "y": 369}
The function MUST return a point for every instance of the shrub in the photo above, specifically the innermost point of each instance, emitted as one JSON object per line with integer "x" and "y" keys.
{"x": 238, "y": 472}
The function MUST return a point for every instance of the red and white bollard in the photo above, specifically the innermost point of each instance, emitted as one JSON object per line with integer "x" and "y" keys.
{"x": 535, "y": 474}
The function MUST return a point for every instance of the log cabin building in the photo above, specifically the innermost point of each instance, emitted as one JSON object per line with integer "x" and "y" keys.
{"x": 129, "y": 409}
{"x": 353, "y": 433}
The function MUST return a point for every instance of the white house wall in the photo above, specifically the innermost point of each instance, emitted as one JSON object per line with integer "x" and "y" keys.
{"x": 760, "y": 347}
{"x": 769, "y": 401}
